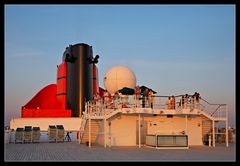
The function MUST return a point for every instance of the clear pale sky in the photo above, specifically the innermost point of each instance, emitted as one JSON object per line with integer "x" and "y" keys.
{"x": 175, "y": 49}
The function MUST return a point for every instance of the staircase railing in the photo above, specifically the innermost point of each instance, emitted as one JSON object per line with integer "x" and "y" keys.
{"x": 83, "y": 123}
{"x": 214, "y": 110}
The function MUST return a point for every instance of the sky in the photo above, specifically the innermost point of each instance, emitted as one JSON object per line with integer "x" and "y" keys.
{"x": 174, "y": 49}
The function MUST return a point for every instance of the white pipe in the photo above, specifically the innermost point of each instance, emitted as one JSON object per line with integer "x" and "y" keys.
{"x": 186, "y": 125}
{"x": 226, "y": 137}
{"x": 104, "y": 129}
{"x": 156, "y": 142}
{"x": 213, "y": 133}
{"x": 209, "y": 140}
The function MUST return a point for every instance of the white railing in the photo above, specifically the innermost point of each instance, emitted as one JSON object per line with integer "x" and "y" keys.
{"x": 214, "y": 110}
{"x": 102, "y": 106}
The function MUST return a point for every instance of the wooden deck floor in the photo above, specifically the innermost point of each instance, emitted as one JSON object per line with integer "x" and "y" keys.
{"x": 72, "y": 151}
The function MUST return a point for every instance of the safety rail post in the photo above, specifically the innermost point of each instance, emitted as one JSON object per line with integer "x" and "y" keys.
{"x": 156, "y": 142}
{"x": 109, "y": 134}
{"x": 104, "y": 127}
{"x": 226, "y": 137}
{"x": 209, "y": 140}
{"x": 186, "y": 124}
{"x": 213, "y": 132}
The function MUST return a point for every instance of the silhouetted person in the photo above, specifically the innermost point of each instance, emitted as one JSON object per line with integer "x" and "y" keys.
{"x": 145, "y": 97}
{"x": 186, "y": 101}
{"x": 172, "y": 102}
{"x": 68, "y": 138}
{"x": 151, "y": 98}
{"x": 197, "y": 98}
{"x": 182, "y": 100}
{"x": 137, "y": 96}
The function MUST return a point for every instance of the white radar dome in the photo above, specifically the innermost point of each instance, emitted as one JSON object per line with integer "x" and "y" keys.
{"x": 119, "y": 77}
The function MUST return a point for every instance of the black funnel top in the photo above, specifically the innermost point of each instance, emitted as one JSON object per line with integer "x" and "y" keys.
{"x": 79, "y": 76}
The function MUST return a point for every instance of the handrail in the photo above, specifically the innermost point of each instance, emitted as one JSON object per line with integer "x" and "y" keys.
{"x": 82, "y": 127}
{"x": 132, "y": 102}
{"x": 216, "y": 110}
{"x": 211, "y": 103}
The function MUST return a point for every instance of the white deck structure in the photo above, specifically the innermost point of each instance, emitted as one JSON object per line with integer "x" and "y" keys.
{"x": 119, "y": 125}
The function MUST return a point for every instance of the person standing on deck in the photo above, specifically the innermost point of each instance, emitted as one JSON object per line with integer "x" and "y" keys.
{"x": 185, "y": 101}
{"x": 116, "y": 98}
{"x": 68, "y": 138}
{"x": 107, "y": 99}
{"x": 151, "y": 98}
{"x": 172, "y": 101}
{"x": 168, "y": 103}
{"x": 182, "y": 102}
{"x": 145, "y": 97}
{"x": 197, "y": 100}
{"x": 137, "y": 96}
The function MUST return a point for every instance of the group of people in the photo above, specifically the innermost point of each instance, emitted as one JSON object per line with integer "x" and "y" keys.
{"x": 171, "y": 102}
{"x": 147, "y": 97}
{"x": 192, "y": 101}
{"x": 186, "y": 101}
{"x": 117, "y": 100}
{"x": 110, "y": 100}
{"x": 120, "y": 100}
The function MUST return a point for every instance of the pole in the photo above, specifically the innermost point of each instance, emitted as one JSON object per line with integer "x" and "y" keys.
{"x": 209, "y": 140}
{"x": 104, "y": 128}
{"x": 186, "y": 125}
{"x": 109, "y": 136}
{"x": 213, "y": 133}
{"x": 156, "y": 141}
{"x": 139, "y": 130}
{"x": 226, "y": 137}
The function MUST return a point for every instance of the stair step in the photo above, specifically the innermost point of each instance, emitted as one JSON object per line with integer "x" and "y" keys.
{"x": 206, "y": 126}
{"x": 95, "y": 127}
